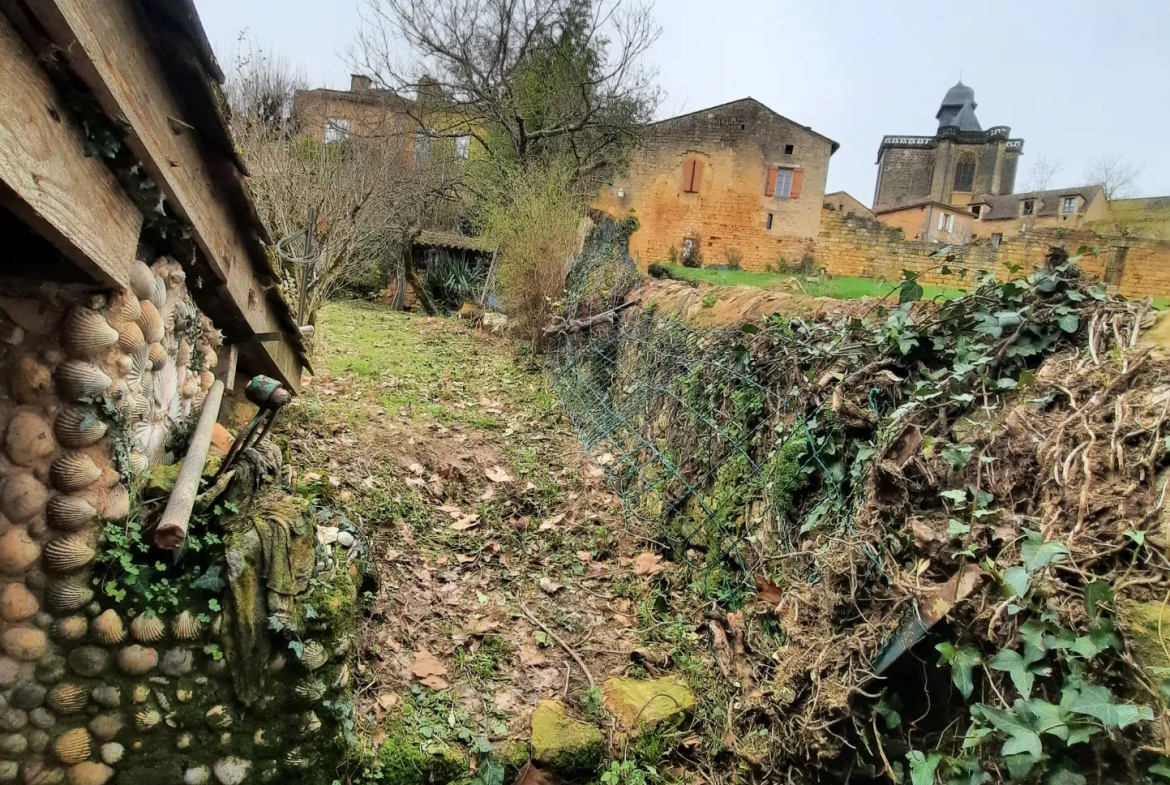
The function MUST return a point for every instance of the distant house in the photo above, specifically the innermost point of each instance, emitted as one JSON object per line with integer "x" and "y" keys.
{"x": 997, "y": 217}
{"x": 735, "y": 183}
{"x": 843, "y": 202}
{"x": 931, "y": 222}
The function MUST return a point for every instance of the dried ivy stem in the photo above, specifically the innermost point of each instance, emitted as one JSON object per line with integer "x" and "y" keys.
{"x": 569, "y": 649}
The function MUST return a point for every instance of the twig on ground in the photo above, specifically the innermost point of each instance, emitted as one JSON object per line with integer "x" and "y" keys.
{"x": 568, "y": 649}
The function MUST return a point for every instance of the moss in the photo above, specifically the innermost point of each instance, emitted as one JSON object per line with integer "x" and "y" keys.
{"x": 566, "y": 745}
{"x": 512, "y": 754}
{"x": 401, "y": 760}
{"x": 637, "y": 705}
{"x": 1141, "y": 620}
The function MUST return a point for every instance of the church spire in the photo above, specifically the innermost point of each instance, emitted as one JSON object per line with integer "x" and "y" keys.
{"x": 958, "y": 109}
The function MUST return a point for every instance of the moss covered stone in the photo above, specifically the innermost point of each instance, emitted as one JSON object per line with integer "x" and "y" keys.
{"x": 1141, "y": 620}
{"x": 402, "y": 760}
{"x": 566, "y": 745}
{"x": 512, "y": 754}
{"x": 637, "y": 704}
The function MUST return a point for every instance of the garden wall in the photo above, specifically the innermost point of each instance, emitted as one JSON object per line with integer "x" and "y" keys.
{"x": 858, "y": 246}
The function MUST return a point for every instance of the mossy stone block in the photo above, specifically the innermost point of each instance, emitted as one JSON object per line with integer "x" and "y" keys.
{"x": 1140, "y": 625}
{"x": 564, "y": 744}
{"x": 638, "y": 704}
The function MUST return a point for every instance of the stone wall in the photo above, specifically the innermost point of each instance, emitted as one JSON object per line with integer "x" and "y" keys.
{"x": 112, "y": 653}
{"x": 857, "y": 246}
{"x": 729, "y": 213}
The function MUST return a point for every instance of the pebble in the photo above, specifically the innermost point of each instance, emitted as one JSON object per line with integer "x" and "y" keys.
{"x": 112, "y": 752}
{"x": 231, "y": 770}
{"x": 346, "y": 540}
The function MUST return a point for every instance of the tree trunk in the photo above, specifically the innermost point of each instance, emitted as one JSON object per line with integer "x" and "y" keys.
{"x": 412, "y": 276}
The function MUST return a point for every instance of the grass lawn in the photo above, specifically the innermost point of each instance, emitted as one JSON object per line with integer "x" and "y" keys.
{"x": 840, "y": 288}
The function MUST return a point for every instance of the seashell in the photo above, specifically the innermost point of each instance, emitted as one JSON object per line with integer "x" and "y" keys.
{"x": 139, "y": 463}
{"x": 77, "y": 379}
{"x": 74, "y": 471}
{"x": 310, "y": 723}
{"x": 219, "y": 717}
{"x": 65, "y": 554}
{"x": 68, "y": 698}
{"x": 133, "y": 406}
{"x": 70, "y": 513}
{"x": 29, "y": 439}
{"x": 68, "y": 595}
{"x": 138, "y": 371}
{"x": 147, "y": 628}
{"x": 141, "y": 281}
{"x": 186, "y": 626}
{"x": 71, "y": 629}
{"x": 151, "y": 322}
{"x": 157, "y": 355}
{"x": 205, "y": 380}
{"x": 22, "y": 497}
{"x": 108, "y": 628}
{"x": 86, "y": 334}
{"x": 296, "y": 759}
{"x": 30, "y": 380}
{"x": 147, "y": 719}
{"x": 314, "y": 655}
{"x": 210, "y": 359}
{"x": 117, "y": 503}
{"x": 79, "y": 427}
{"x": 310, "y": 689}
{"x": 190, "y": 387}
{"x": 18, "y": 551}
{"x": 159, "y": 296}
{"x": 342, "y": 680}
{"x": 135, "y": 660}
{"x": 130, "y": 337}
{"x": 125, "y": 308}
{"x": 73, "y": 746}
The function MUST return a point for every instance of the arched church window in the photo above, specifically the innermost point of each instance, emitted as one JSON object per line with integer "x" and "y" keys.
{"x": 965, "y": 173}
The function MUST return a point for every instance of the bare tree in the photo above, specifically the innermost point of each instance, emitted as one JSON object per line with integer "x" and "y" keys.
{"x": 526, "y": 78}
{"x": 1114, "y": 175}
{"x": 1042, "y": 173}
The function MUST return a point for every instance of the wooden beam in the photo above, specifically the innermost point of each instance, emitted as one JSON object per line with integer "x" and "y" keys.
{"x": 106, "y": 45}
{"x": 73, "y": 201}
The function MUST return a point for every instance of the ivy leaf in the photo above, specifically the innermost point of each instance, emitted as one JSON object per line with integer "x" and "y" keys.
{"x": 956, "y": 495}
{"x": 1050, "y": 718}
{"x": 1064, "y": 776}
{"x": 212, "y": 580}
{"x": 955, "y": 528}
{"x": 1022, "y": 671}
{"x": 1017, "y": 579}
{"x": 1161, "y": 768}
{"x": 956, "y": 456}
{"x": 1097, "y": 593}
{"x": 298, "y": 649}
{"x": 1070, "y": 322}
{"x": 909, "y": 291}
{"x": 963, "y": 662}
{"x": 1098, "y": 702}
{"x": 1081, "y": 732}
{"x": 1038, "y": 555}
{"x": 1087, "y": 647}
{"x": 922, "y": 767}
{"x": 1021, "y": 738}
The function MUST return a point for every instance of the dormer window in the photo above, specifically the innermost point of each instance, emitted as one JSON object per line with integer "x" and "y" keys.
{"x": 975, "y": 210}
{"x": 1068, "y": 205}
{"x": 1029, "y": 206}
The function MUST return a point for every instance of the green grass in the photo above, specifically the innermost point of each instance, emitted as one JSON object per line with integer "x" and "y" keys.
{"x": 839, "y": 288}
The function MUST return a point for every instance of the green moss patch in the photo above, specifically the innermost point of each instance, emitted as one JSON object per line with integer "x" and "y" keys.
{"x": 566, "y": 745}
{"x": 637, "y": 704}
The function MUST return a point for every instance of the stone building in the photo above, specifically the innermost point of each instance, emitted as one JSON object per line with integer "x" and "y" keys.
{"x": 735, "y": 183}
{"x": 931, "y": 222}
{"x": 846, "y": 203}
{"x": 997, "y": 217}
{"x": 959, "y": 162}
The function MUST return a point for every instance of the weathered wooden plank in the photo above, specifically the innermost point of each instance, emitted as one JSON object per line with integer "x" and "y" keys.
{"x": 74, "y": 201}
{"x": 105, "y": 44}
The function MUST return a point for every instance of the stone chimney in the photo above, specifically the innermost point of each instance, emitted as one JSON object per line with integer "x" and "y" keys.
{"x": 358, "y": 82}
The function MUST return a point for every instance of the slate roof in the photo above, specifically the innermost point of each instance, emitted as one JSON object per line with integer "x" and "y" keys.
{"x": 1048, "y": 202}
{"x": 958, "y": 109}
{"x": 835, "y": 145}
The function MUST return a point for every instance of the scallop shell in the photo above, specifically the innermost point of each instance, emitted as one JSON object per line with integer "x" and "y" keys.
{"x": 65, "y": 554}
{"x": 186, "y": 627}
{"x": 147, "y": 628}
{"x": 68, "y": 595}
{"x": 77, "y": 379}
{"x": 71, "y": 629}
{"x": 138, "y": 372}
{"x": 310, "y": 689}
{"x": 141, "y": 281}
{"x": 205, "y": 380}
{"x": 73, "y": 746}
{"x": 157, "y": 355}
{"x": 147, "y": 719}
{"x": 151, "y": 322}
{"x": 117, "y": 503}
{"x": 74, "y": 471}
{"x": 79, "y": 427}
{"x": 108, "y": 628}
{"x": 310, "y": 723}
{"x": 125, "y": 307}
{"x": 68, "y": 698}
{"x": 183, "y": 356}
{"x": 133, "y": 406}
{"x": 210, "y": 358}
{"x": 190, "y": 387}
{"x": 159, "y": 296}
{"x": 130, "y": 337}
{"x": 70, "y": 513}
{"x": 314, "y": 655}
{"x": 139, "y": 463}
{"x": 86, "y": 334}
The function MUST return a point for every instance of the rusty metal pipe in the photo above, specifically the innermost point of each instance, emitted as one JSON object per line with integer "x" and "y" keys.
{"x": 171, "y": 532}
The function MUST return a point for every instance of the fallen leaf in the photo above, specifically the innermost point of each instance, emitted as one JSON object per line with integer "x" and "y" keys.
{"x": 436, "y": 683}
{"x": 531, "y": 655}
{"x": 647, "y": 563}
{"x": 621, "y": 620}
{"x": 584, "y": 556}
{"x": 606, "y": 459}
{"x": 530, "y": 775}
{"x": 416, "y": 468}
{"x": 483, "y": 626}
{"x": 429, "y": 670}
{"x": 451, "y": 510}
{"x": 551, "y": 522}
{"x": 387, "y": 699}
{"x": 488, "y": 495}
{"x": 549, "y": 586}
{"x": 496, "y": 474}
{"x": 463, "y": 558}
{"x": 770, "y": 593}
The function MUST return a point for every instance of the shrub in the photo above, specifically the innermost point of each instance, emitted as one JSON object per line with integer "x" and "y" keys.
{"x": 672, "y": 255}
{"x": 691, "y": 255}
{"x": 734, "y": 259}
{"x": 660, "y": 271}
{"x": 451, "y": 280}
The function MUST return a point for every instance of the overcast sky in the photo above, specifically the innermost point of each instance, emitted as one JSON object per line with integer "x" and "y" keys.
{"x": 1075, "y": 79}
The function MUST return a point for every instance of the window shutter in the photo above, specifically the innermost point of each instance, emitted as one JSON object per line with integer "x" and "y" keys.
{"x": 696, "y": 176}
{"x": 797, "y": 176}
{"x": 688, "y": 174}
{"x": 770, "y": 183}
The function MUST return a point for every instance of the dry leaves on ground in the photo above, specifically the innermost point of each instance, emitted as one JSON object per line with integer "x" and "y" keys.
{"x": 647, "y": 563}
{"x": 496, "y": 474}
{"x": 429, "y": 670}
